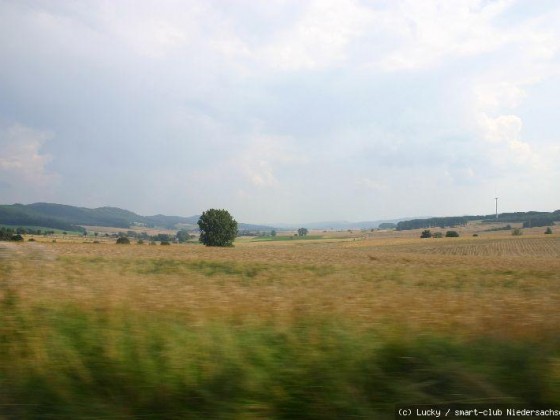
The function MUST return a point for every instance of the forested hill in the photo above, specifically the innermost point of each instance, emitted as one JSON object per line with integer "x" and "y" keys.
{"x": 64, "y": 217}
{"x": 59, "y": 216}
{"x": 529, "y": 219}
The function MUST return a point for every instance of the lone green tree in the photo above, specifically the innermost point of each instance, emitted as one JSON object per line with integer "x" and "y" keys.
{"x": 217, "y": 228}
{"x": 302, "y": 231}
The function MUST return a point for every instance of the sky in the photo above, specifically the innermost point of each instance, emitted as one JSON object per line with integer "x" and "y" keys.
{"x": 282, "y": 110}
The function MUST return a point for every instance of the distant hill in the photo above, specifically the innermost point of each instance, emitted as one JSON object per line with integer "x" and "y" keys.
{"x": 20, "y": 215}
{"x": 64, "y": 217}
{"x": 102, "y": 216}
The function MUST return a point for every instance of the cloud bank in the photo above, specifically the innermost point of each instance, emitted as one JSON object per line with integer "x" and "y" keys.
{"x": 282, "y": 110}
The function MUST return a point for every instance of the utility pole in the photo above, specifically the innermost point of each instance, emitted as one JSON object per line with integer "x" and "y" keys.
{"x": 496, "y": 207}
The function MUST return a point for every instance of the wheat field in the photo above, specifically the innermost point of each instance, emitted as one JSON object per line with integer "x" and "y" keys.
{"x": 503, "y": 286}
{"x": 491, "y": 289}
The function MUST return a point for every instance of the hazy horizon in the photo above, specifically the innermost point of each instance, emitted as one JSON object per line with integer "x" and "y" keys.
{"x": 282, "y": 111}
{"x": 308, "y": 223}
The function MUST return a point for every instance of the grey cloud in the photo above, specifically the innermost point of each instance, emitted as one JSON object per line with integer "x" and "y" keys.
{"x": 280, "y": 110}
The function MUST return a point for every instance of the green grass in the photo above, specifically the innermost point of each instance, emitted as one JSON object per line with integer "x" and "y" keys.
{"x": 285, "y": 238}
{"x": 70, "y": 362}
{"x": 208, "y": 268}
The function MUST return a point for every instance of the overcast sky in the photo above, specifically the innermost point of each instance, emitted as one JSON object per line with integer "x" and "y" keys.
{"x": 281, "y": 110}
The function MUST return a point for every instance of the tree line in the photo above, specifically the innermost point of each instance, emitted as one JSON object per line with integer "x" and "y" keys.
{"x": 529, "y": 219}
{"x": 9, "y": 234}
{"x": 181, "y": 236}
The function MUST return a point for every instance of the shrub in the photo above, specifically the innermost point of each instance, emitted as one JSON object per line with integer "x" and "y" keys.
{"x": 475, "y": 234}
{"x": 438, "y": 235}
{"x": 426, "y": 234}
{"x": 17, "y": 238}
{"x": 452, "y": 234}
{"x": 303, "y": 231}
{"x": 153, "y": 243}
{"x": 183, "y": 236}
{"x": 31, "y": 240}
{"x": 123, "y": 240}
{"x": 140, "y": 242}
{"x": 548, "y": 231}
{"x": 162, "y": 237}
{"x": 497, "y": 229}
{"x": 517, "y": 232}
{"x": 164, "y": 243}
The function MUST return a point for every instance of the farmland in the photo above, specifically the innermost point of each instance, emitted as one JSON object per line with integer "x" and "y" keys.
{"x": 317, "y": 328}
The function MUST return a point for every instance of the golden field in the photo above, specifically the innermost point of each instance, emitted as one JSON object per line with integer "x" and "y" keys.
{"x": 498, "y": 285}
{"x": 344, "y": 326}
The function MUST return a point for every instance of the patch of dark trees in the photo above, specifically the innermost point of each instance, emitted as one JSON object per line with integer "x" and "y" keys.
{"x": 529, "y": 219}
{"x": 14, "y": 234}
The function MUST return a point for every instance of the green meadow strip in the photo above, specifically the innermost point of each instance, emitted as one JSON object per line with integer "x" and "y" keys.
{"x": 70, "y": 362}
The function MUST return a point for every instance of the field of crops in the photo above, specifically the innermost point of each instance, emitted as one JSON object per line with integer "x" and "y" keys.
{"x": 529, "y": 247}
{"x": 282, "y": 329}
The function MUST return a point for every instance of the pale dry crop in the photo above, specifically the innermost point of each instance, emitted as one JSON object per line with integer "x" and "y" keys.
{"x": 498, "y": 286}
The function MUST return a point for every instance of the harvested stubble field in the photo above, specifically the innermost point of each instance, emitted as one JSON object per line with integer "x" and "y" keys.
{"x": 291, "y": 329}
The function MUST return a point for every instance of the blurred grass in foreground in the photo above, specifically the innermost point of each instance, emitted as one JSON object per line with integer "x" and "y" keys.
{"x": 67, "y": 362}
